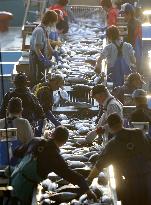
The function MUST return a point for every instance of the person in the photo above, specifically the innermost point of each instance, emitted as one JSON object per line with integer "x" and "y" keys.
{"x": 40, "y": 48}
{"x": 14, "y": 120}
{"x": 60, "y": 5}
{"x": 141, "y": 113}
{"x": 129, "y": 152}
{"x": 112, "y": 12}
{"x": 120, "y": 57}
{"x": 44, "y": 93}
{"x": 48, "y": 160}
{"x": 134, "y": 81}
{"x": 134, "y": 32}
{"x": 32, "y": 110}
{"x": 110, "y": 105}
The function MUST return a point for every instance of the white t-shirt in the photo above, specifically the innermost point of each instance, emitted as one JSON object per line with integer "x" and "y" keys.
{"x": 110, "y": 53}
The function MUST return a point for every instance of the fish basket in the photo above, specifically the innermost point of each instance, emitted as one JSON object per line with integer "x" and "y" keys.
{"x": 84, "y": 12}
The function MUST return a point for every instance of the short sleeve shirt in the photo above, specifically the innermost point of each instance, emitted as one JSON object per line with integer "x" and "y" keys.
{"x": 110, "y": 53}
{"x": 40, "y": 37}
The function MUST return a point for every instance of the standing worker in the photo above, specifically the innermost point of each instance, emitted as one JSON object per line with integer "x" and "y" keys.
{"x": 134, "y": 32}
{"x": 40, "y": 48}
{"x": 129, "y": 152}
{"x": 60, "y": 5}
{"x": 112, "y": 12}
{"x": 110, "y": 105}
{"x": 120, "y": 57}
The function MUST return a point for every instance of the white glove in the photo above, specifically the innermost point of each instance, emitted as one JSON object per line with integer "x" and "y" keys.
{"x": 91, "y": 136}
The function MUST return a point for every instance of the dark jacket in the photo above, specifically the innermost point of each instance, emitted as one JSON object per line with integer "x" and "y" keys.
{"x": 130, "y": 154}
{"x": 141, "y": 114}
{"x": 118, "y": 92}
{"x": 32, "y": 110}
{"x": 50, "y": 160}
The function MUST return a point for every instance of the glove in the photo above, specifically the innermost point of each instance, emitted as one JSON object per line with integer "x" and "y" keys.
{"x": 55, "y": 54}
{"x": 102, "y": 29}
{"x": 91, "y": 136}
{"x": 46, "y": 62}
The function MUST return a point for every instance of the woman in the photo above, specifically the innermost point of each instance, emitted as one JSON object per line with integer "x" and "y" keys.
{"x": 119, "y": 56}
{"x": 40, "y": 48}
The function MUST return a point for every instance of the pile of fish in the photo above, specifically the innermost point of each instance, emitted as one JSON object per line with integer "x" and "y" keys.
{"x": 82, "y": 46}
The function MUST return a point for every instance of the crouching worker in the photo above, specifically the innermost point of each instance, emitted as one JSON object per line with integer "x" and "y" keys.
{"x": 129, "y": 152}
{"x": 44, "y": 93}
{"x": 42, "y": 158}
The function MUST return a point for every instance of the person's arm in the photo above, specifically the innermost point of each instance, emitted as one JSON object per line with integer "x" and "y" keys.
{"x": 60, "y": 167}
{"x": 103, "y": 55}
{"x": 105, "y": 159}
{"x": 132, "y": 55}
{"x": 37, "y": 108}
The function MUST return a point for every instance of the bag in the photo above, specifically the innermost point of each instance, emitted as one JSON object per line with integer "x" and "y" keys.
{"x": 33, "y": 111}
{"x": 26, "y": 174}
{"x": 120, "y": 68}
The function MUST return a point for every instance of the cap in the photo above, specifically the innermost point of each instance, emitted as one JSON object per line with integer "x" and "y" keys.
{"x": 135, "y": 76}
{"x": 139, "y": 93}
{"x": 21, "y": 79}
{"x": 98, "y": 89}
{"x": 55, "y": 76}
{"x": 127, "y": 8}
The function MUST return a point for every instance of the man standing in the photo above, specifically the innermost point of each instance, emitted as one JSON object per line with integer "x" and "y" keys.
{"x": 134, "y": 32}
{"x": 129, "y": 152}
{"x": 110, "y": 105}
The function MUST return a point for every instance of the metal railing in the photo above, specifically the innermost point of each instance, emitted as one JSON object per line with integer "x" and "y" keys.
{"x": 84, "y": 12}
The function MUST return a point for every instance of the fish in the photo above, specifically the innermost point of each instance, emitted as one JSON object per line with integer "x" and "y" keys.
{"x": 76, "y": 158}
{"x": 102, "y": 179}
{"x": 68, "y": 188}
{"x": 53, "y": 177}
{"x": 75, "y": 164}
{"x": 63, "y": 197}
{"x": 107, "y": 200}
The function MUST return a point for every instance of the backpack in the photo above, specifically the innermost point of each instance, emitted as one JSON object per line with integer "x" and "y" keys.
{"x": 120, "y": 68}
{"x": 26, "y": 173}
{"x": 41, "y": 91}
{"x": 32, "y": 110}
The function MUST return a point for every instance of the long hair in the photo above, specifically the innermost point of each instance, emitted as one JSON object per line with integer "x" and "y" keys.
{"x": 49, "y": 17}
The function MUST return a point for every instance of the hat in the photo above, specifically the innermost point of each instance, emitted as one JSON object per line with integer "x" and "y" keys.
{"x": 98, "y": 89}
{"x": 55, "y": 76}
{"x": 139, "y": 93}
{"x": 135, "y": 76}
{"x": 127, "y": 8}
{"x": 21, "y": 79}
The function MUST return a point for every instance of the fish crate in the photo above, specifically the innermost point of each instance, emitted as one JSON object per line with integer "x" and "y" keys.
{"x": 84, "y": 12}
